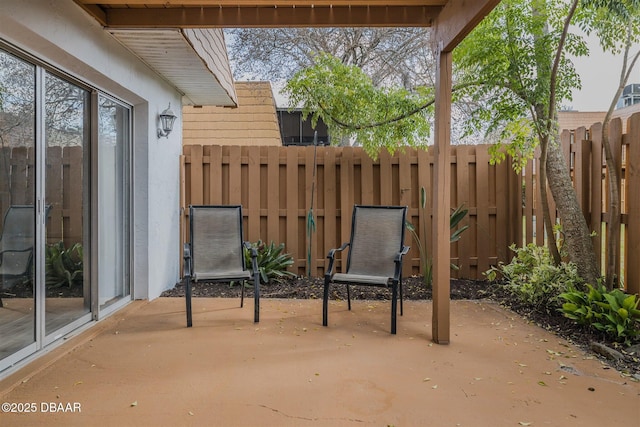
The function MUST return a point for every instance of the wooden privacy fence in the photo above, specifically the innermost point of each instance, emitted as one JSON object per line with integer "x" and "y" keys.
{"x": 584, "y": 154}
{"x": 274, "y": 187}
{"x": 63, "y": 188}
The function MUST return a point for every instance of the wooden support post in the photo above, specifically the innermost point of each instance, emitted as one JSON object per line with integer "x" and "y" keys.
{"x": 441, "y": 202}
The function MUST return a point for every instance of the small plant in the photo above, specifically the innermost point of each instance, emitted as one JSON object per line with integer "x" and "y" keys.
{"x": 64, "y": 266}
{"x": 534, "y": 279}
{"x": 614, "y": 313}
{"x": 272, "y": 263}
{"x": 456, "y": 216}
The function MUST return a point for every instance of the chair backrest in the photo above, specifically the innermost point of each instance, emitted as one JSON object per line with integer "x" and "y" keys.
{"x": 16, "y": 241}
{"x": 377, "y": 235}
{"x": 18, "y": 228}
{"x": 216, "y": 238}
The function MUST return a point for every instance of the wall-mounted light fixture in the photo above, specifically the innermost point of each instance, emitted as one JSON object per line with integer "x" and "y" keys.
{"x": 167, "y": 118}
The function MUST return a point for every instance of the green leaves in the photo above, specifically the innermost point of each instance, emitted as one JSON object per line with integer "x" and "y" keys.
{"x": 613, "y": 312}
{"x": 272, "y": 263}
{"x": 509, "y": 57}
{"x": 64, "y": 267}
{"x": 353, "y": 108}
{"x": 532, "y": 277}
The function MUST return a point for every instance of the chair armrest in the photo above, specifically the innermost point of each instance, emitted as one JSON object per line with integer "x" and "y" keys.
{"x": 398, "y": 261}
{"x": 253, "y": 251}
{"x": 331, "y": 257}
{"x": 186, "y": 254}
{"x": 403, "y": 252}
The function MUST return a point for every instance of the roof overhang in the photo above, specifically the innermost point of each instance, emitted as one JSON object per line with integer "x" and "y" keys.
{"x": 256, "y": 13}
{"x": 194, "y": 61}
{"x": 182, "y": 39}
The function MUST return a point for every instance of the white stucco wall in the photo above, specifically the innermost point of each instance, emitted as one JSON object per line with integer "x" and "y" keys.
{"x": 61, "y": 34}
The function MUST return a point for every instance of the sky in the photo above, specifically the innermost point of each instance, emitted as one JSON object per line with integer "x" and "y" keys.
{"x": 600, "y": 74}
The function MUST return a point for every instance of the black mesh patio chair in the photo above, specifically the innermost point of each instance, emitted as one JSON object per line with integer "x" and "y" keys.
{"x": 375, "y": 255}
{"x": 16, "y": 245}
{"x": 215, "y": 252}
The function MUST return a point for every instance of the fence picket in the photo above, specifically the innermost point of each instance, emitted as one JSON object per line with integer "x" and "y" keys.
{"x": 632, "y": 270}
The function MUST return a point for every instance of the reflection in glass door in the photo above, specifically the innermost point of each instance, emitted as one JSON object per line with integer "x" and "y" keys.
{"x": 17, "y": 215}
{"x": 67, "y": 132}
{"x": 113, "y": 201}
{"x": 54, "y": 135}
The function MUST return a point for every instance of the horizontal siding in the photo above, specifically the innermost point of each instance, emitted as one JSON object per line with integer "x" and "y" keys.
{"x": 253, "y": 122}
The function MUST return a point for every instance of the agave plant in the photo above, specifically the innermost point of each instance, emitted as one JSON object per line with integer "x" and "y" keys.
{"x": 64, "y": 266}
{"x": 272, "y": 262}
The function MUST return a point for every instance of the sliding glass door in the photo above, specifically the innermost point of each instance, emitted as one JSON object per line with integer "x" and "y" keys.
{"x": 17, "y": 196}
{"x": 113, "y": 201}
{"x": 65, "y": 205}
{"x": 67, "y": 139}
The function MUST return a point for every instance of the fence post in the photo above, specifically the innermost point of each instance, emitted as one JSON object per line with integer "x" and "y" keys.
{"x": 595, "y": 216}
{"x": 633, "y": 224}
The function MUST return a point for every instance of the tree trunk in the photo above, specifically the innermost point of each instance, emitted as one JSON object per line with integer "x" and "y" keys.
{"x": 544, "y": 199}
{"x": 577, "y": 236}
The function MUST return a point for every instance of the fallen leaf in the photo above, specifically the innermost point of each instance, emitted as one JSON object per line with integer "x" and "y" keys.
{"x": 134, "y": 403}
{"x": 523, "y": 423}
{"x": 542, "y": 383}
{"x": 426, "y": 379}
{"x": 191, "y": 413}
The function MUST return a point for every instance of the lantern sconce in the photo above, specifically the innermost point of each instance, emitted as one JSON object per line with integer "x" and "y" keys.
{"x": 167, "y": 118}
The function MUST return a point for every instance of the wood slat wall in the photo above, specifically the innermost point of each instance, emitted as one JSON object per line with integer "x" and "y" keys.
{"x": 584, "y": 154}
{"x": 275, "y": 186}
{"x": 64, "y": 177}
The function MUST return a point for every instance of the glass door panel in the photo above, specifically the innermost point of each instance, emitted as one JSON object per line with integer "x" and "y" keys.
{"x": 67, "y": 133}
{"x": 17, "y": 195}
{"x": 113, "y": 202}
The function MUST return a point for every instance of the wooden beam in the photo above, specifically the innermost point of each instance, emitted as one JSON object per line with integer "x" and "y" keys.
{"x": 96, "y": 11}
{"x": 457, "y": 19}
{"x": 441, "y": 200}
{"x": 260, "y": 3}
{"x": 253, "y": 17}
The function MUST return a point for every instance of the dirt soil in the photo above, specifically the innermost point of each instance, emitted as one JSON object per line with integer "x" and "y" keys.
{"x": 625, "y": 360}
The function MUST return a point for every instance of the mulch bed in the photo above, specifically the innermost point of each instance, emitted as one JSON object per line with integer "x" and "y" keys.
{"x": 627, "y": 362}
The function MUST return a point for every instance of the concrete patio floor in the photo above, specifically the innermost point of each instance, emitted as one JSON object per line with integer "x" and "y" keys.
{"x": 143, "y": 367}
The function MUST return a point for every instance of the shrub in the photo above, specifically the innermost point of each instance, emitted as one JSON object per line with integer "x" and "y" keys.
{"x": 64, "y": 266}
{"x": 272, "y": 263}
{"x": 614, "y": 313}
{"x": 534, "y": 279}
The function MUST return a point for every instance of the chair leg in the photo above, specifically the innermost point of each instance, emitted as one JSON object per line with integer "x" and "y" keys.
{"x": 394, "y": 307}
{"x": 401, "y": 298}
{"x": 243, "y": 283}
{"x": 325, "y": 302}
{"x": 188, "y": 299}
{"x": 349, "y": 297}
{"x": 256, "y": 298}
